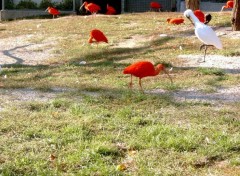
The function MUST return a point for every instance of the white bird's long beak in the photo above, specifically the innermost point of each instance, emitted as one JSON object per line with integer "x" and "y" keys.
{"x": 191, "y": 21}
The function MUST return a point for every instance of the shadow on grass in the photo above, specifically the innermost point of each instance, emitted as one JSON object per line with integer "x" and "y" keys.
{"x": 113, "y": 56}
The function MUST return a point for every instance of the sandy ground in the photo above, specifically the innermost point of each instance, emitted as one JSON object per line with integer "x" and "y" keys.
{"x": 23, "y": 50}
{"x": 228, "y": 64}
{"x": 221, "y": 95}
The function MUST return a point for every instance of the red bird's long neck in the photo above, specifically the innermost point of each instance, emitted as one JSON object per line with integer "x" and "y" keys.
{"x": 157, "y": 71}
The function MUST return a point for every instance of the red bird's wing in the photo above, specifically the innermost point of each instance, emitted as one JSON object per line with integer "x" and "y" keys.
{"x": 54, "y": 11}
{"x": 140, "y": 69}
{"x": 93, "y": 7}
{"x": 155, "y": 5}
{"x": 200, "y": 15}
{"x": 230, "y": 4}
{"x": 98, "y": 36}
{"x": 177, "y": 20}
{"x": 110, "y": 10}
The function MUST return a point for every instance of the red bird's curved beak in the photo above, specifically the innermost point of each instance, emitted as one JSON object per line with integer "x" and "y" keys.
{"x": 82, "y": 6}
{"x": 168, "y": 76}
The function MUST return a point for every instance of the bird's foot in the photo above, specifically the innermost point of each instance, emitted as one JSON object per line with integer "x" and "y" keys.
{"x": 130, "y": 85}
{"x": 142, "y": 91}
{"x": 201, "y": 60}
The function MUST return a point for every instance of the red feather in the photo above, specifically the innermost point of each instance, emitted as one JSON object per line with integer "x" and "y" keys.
{"x": 98, "y": 36}
{"x": 155, "y": 5}
{"x": 141, "y": 69}
{"x": 200, "y": 15}
{"x": 175, "y": 20}
{"x": 53, "y": 11}
{"x": 228, "y": 5}
{"x": 91, "y": 7}
{"x": 110, "y": 10}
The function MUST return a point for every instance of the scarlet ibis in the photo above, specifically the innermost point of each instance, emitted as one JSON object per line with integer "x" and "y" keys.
{"x": 229, "y": 5}
{"x": 155, "y": 6}
{"x": 203, "y": 32}
{"x": 202, "y": 17}
{"x": 144, "y": 69}
{"x": 110, "y": 10}
{"x": 53, "y": 11}
{"x": 175, "y": 20}
{"x": 98, "y": 36}
{"x": 91, "y": 7}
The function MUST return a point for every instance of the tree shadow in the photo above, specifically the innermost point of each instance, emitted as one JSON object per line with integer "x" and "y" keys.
{"x": 9, "y": 54}
{"x": 114, "y": 56}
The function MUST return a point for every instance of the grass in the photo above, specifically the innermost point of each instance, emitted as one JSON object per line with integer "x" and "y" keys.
{"x": 98, "y": 126}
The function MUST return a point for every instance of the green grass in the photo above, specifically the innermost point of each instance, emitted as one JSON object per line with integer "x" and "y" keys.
{"x": 98, "y": 123}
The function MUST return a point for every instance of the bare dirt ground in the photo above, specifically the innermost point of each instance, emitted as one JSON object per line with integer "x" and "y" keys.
{"x": 23, "y": 50}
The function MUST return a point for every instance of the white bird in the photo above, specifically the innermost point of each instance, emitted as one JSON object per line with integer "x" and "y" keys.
{"x": 203, "y": 32}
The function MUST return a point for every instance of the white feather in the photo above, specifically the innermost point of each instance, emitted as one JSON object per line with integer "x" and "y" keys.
{"x": 206, "y": 34}
{"x": 203, "y": 32}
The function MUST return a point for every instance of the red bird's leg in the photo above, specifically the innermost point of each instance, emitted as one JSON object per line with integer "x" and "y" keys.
{"x": 93, "y": 15}
{"x": 131, "y": 84}
{"x": 90, "y": 40}
{"x": 140, "y": 84}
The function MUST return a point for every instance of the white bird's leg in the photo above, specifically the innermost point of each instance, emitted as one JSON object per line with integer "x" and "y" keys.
{"x": 203, "y": 45}
{"x": 205, "y": 50}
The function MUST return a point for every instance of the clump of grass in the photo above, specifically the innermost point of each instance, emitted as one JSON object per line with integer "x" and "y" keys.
{"x": 233, "y": 53}
{"x": 211, "y": 71}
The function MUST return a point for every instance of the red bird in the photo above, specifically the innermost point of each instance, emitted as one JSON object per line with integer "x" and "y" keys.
{"x": 202, "y": 18}
{"x": 229, "y": 5}
{"x": 91, "y": 7}
{"x": 144, "y": 69}
{"x": 175, "y": 20}
{"x": 98, "y": 36}
{"x": 155, "y": 6}
{"x": 53, "y": 11}
{"x": 110, "y": 10}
